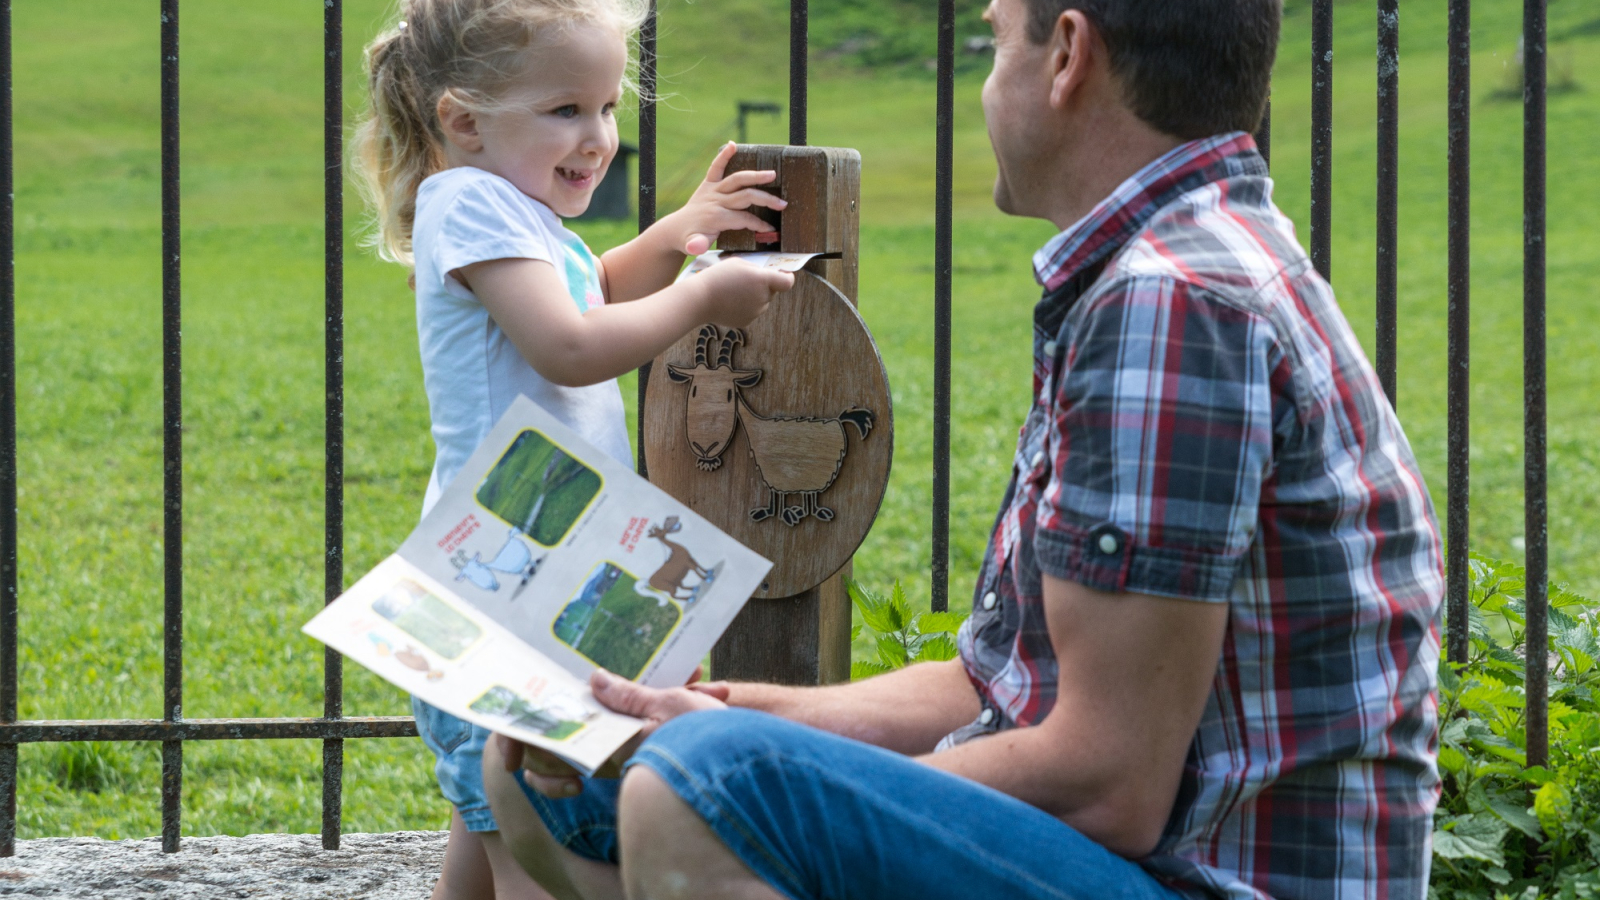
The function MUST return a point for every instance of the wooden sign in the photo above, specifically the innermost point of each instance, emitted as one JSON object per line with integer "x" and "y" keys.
{"x": 780, "y": 434}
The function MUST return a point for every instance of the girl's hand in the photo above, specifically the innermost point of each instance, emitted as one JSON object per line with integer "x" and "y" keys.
{"x": 736, "y": 291}
{"x": 722, "y": 203}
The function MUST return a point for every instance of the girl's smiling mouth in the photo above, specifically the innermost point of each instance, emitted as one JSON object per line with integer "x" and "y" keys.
{"x": 576, "y": 177}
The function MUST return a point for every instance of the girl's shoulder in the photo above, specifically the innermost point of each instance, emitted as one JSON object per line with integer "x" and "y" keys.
{"x": 474, "y": 193}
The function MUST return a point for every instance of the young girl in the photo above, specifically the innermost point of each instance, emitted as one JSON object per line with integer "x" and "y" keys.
{"x": 491, "y": 121}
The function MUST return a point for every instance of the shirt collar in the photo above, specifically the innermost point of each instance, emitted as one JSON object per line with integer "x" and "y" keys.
{"x": 1122, "y": 214}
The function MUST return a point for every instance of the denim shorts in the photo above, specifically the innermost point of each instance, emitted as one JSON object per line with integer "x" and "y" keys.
{"x": 459, "y": 768}
{"x": 816, "y": 815}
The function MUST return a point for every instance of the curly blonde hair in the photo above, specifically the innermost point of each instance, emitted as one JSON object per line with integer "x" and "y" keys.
{"x": 471, "y": 50}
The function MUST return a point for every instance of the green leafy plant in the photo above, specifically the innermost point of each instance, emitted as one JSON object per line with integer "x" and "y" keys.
{"x": 1504, "y": 829}
{"x": 904, "y": 636}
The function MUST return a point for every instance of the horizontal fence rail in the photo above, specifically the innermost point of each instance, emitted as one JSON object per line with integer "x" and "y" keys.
{"x": 172, "y": 730}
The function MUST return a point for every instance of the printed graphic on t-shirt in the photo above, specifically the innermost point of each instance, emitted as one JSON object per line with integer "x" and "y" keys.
{"x": 583, "y": 277}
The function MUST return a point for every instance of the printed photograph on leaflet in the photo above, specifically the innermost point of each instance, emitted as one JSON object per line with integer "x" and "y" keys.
{"x": 544, "y": 559}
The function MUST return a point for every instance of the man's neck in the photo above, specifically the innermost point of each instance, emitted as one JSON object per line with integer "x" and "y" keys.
{"x": 1095, "y": 166}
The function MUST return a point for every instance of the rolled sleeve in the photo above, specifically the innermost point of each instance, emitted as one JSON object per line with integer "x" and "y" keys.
{"x": 1160, "y": 439}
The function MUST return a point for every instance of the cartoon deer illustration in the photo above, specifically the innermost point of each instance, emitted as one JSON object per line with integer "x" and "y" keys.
{"x": 670, "y": 577}
{"x": 796, "y": 456}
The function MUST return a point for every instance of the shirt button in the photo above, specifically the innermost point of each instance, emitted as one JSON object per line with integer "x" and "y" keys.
{"x": 988, "y": 600}
{"x": 1108, "y": 544}
{"x": 985, "y": 717}
{"x": 1038, "y": 458}
{"x": 1049, "y": 348}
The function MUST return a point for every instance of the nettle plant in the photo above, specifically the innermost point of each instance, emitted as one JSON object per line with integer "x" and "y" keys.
{"x": 904, "y": 636}
{"x": 1505, "y": 829}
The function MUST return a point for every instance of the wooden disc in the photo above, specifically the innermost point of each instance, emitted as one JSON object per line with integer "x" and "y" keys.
{"x": 773, "y": 414}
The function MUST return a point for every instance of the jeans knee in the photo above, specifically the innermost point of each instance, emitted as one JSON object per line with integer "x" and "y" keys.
{"x": 705, "y": 743}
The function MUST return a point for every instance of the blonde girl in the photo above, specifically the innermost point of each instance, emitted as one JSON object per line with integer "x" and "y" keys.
{"x": 491, "y": 121}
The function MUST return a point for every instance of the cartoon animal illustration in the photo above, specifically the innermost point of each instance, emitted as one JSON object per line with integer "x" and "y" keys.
{"x": 798, "y": 457}
{"x": 412, "y": 658}
{"x": 670, "y": 578}
{"x": 513, "y": 558}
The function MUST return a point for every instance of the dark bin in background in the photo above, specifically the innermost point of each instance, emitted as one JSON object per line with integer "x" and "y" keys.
{"x": 611, "y": 196}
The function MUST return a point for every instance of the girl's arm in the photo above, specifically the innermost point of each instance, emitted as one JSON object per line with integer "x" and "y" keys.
{"x": 526, "y": 298}
{"x": 651, "y": 261}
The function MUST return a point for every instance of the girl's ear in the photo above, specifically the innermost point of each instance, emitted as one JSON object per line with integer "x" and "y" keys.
{"x": 459, "y": 124}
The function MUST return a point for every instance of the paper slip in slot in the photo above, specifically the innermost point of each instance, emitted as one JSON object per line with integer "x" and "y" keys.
{"x": 766, "y": 259}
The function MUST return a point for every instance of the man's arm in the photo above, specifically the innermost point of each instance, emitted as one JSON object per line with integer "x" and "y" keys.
{"x": 1135, "y": 673}
{"x": 907, "y": 711}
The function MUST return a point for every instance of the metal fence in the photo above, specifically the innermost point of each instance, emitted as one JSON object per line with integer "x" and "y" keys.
{"x": 172, "y": 729}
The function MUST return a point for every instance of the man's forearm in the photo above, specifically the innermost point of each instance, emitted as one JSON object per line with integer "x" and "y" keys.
{"x": 906, "y": 711}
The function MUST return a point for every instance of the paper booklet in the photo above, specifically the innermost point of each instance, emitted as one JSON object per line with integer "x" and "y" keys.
{"x": 544, "y": 559}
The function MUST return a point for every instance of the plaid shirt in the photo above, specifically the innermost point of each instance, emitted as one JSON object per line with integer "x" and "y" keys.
{"x": 1206, "y": 427}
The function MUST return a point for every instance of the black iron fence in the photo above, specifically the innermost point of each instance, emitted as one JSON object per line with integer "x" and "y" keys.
{"x": 172, "y": 729}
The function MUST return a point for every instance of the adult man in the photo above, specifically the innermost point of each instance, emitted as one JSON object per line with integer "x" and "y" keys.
{"x": 1201, "y": 660}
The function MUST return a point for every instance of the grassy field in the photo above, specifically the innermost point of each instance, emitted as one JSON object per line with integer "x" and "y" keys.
{"x": 538, "y": 488}
{"x": 88, "y": 268}
{"x": 621, "y": 629}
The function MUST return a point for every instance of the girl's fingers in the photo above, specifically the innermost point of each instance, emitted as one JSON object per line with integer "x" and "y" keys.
{"x": 746, "y": 178}
{"x": 698, "y": 244}
{"x": 753, "y": 197}
{"x": 719, "y": 163}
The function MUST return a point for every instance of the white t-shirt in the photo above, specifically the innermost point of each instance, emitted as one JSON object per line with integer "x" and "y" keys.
{"x": 471, "y": 369}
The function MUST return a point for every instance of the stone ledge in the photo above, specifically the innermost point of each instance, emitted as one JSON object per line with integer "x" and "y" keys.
{"x": 399, "y": 866}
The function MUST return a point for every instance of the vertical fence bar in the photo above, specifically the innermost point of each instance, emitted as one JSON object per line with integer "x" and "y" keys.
{"x": 1533, "y": 377}
{"x": 1458, "y": 379}
{"x": 172, "y": 432}
{"x": 1388, "y": 194}
{"x": 799, "y": 71}
{"x": 942, "y": 264}
{"x": 8, "y": 450}
{"x": 333, "y": 399}
{"x": 1322, "y": 137}
{"x": 647, "y": 184}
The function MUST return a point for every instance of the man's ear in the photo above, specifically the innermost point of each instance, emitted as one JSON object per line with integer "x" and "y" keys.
{"x": 459, "y": 124}
{"x": 1074, "y": 50}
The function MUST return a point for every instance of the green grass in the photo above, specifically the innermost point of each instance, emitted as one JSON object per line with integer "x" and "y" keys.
{"x": 89, "y": 350}
{"x": 535, "y": 470}
{"x": 623, "y": 630}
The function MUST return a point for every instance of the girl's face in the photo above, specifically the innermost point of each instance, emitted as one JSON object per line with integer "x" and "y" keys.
{"x": 559, "y": 133}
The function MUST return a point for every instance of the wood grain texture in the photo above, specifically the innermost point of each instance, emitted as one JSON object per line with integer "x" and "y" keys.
{"x": 804, "y": 639}
{"x": 794, "y": 635}
{"x": 766, "y": 482}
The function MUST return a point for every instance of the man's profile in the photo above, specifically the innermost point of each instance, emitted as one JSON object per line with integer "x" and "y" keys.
{"x": 1202, "y": 651}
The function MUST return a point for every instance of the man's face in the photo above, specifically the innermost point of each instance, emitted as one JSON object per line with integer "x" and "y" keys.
{"x": 1016, "y": 105}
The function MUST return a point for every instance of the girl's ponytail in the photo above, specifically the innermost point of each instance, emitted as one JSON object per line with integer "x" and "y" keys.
{"x": 397, "y": 147}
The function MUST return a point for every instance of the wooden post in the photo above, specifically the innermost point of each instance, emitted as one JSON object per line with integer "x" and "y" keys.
{"x": 808, "y": 358}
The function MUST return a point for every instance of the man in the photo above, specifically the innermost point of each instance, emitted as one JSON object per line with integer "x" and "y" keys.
{"x": 1201, "y": 658}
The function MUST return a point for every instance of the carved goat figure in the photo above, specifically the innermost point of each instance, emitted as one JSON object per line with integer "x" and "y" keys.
{"x": 670, "y": 577}
{"x": 798, "y": 457}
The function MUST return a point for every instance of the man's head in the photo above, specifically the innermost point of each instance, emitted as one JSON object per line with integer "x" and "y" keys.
{"x": 1074, "y": 79}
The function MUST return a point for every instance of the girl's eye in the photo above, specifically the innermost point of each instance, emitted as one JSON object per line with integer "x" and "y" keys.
{"x": 568, "y": 111}
{"x": 608, "y": 109}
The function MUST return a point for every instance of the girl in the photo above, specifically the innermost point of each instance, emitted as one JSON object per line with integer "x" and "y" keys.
{"x": 492, "y": 120}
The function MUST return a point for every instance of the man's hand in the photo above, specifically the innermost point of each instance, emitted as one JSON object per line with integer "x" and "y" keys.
{"x": 547, "y": 774}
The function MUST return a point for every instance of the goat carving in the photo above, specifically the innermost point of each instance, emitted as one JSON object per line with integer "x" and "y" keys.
{"x": 797, "y": 457}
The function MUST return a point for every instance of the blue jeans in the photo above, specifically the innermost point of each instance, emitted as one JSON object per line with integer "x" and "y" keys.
{"x": 458, "y": 748}
{"x": 816, "y": 815}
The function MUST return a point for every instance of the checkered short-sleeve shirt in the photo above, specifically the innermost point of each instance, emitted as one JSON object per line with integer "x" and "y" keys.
{"x": 1206, "y": 427}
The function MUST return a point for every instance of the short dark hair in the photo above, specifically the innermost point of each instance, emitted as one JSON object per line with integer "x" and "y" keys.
{"x": 1189, "y": 68}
